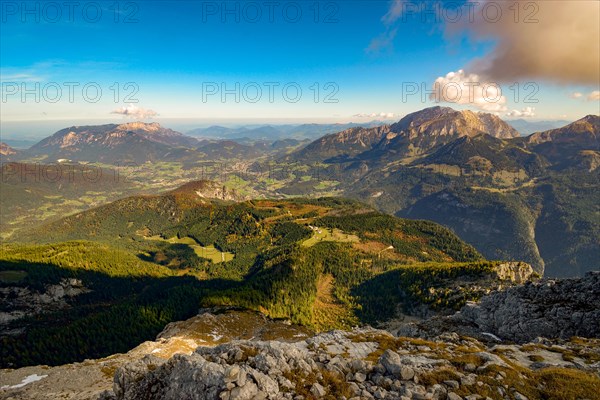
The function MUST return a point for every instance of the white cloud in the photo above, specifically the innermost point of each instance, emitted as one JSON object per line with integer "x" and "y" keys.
{"x": 527, "y": 112}
{"x": 594, "y": 96}
{"x": 19, "y": 77}
{"x": 134, "y": 112}
{"x": 386, "y": 39}
{"x": 54, "y": 70}
{"x": 395, "y": 11}
{"x": 556, "y": 41}
{"x": 462, "y": 88}
{"x": 383, "y": 41}
{"x": 384, "y": 115}
{"x": 551, "y": 40}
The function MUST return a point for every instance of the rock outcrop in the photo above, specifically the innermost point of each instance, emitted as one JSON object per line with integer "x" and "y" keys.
{"x": 515, "y": 272}
{"x": 87, "y": 379}
{"x": 19, "y": 302}
{"x": 549, "y": 308}
{"x": 555, "y": 309}
{"x": 362, "y": 364}
{"x": 245, "y": 356}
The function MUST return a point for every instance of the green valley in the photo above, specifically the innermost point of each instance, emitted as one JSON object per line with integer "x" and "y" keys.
{"x": 290, "y": 259}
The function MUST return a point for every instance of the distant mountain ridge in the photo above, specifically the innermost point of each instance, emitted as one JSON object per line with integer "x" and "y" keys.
{"x": 586, "y": 130}
{"x": 131, "y": 142}
{"x": 575, "y": 145}
{"x": 277, "y": 132}
{"x": 112, "y": 135}
{"x": 141, "y": 142}
{"x": 527, "y": 127}
{"x": 442, "y": 130}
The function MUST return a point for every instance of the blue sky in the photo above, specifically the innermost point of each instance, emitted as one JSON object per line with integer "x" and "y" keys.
{"x": 178, "y": 57}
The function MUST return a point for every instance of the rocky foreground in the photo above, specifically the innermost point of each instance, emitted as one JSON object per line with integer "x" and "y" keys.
{"x": 240, "y": 355}
{"x": 367, "y": 364}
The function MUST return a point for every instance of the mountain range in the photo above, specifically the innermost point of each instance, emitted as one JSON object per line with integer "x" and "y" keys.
{"x": 139, "y": 142}
{"x": 131, "y": 142}
{"x": 531, "y": 198}
{"x": 527, "y": 127}
{"x": 275, "y": 132}
{"x": 95, "y": 262}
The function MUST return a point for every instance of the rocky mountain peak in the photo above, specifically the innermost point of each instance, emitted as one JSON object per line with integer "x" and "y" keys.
{"x": 589, "y": 123}
{"x": 585, "y": 130}
{"x": 445, "y": 121}
{"x": 592, "y": 119}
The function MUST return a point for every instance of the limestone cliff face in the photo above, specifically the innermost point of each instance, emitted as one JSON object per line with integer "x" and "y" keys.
{"x": 444, "y": 121}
